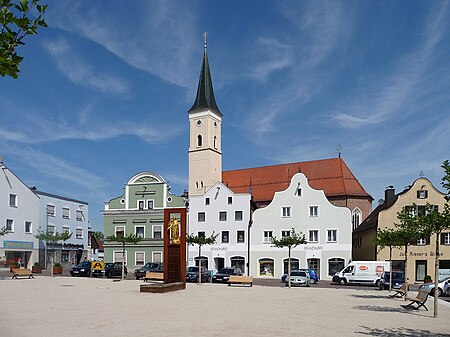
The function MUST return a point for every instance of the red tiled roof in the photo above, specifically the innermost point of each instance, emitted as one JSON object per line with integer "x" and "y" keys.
{"x": 331, "y": 175}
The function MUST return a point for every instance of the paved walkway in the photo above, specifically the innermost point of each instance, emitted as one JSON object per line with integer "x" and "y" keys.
{"x": 63, "y": 306}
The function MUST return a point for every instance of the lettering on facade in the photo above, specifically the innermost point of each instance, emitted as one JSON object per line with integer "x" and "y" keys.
{"x": 18, "y": 244}
{"x": 313, "y": 247}
{"x": 219, "y": 248}
{"x": 420, "y": 254}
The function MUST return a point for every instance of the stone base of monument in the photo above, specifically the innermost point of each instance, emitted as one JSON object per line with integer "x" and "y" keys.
{"x": 162, "y": 287}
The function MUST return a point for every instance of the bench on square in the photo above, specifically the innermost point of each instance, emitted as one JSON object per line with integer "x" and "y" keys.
{"x": 22, "y": 272}
{"x": 399, "y": 292}
{"x": 235, "y": 279}
{"x": 418, "y": 301}
{"x": 153, "y": 276}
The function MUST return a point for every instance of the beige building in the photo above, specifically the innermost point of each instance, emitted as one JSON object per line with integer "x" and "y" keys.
{"x": 420, "y": 255}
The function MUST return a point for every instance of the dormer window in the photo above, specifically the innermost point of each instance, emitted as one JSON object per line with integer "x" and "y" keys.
{"x": 422, "y": 194}
{"x": 199, "y": 140}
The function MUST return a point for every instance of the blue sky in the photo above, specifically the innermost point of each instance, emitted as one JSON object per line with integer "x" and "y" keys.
{"x": 104, "y": 91}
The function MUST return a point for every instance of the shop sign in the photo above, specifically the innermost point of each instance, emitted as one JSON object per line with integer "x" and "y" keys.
{"x": 313, "y": 247}
{"x": 18, "y": 245}
{"x": 218, "y": 248}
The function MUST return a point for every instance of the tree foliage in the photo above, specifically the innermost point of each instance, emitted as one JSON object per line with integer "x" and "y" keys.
{"x": 53, "y": 238}
{"x": 200, "y": 240}
{"x": 124, "y": 240}
{"x": 3, "y": 231}
{"x": 291, "y": 241}
{"x": 99, "y": 235}
{"x": 18, "y": 19}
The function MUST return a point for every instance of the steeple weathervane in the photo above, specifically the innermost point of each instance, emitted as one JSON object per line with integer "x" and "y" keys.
{"x": 205, "y": 36}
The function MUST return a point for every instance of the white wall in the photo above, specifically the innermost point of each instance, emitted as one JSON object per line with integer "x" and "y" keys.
{"x": 329, "y": 217}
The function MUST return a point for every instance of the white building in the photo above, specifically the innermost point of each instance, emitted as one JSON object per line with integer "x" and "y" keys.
{"x": 19, "y": 213}
{"x": 61, "y": 214}
{"x": 328, "y": 230}
{"x": 222, "y": 212}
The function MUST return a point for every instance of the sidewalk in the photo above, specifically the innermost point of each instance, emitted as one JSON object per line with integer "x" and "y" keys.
{"x": 63, "y": 306}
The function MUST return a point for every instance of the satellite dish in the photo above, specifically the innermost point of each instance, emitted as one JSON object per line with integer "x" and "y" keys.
{"x": 380, "y": 202}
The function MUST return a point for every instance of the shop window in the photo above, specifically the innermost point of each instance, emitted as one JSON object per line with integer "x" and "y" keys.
{"x": 335, "y": 265}
{"x": 238, "y": 261}
{"x": 204, "y": 261}
{"x": 65, "y": 257}
{"x": 295, "y": 264}
{"x": 266, "y": 267}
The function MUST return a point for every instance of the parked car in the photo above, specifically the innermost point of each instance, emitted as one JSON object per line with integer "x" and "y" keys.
{"x": 397, "y": 280}
{"x": 314, "y": 278}
{"x": 113, "y": 269}
{"x": 157, "y": 267}
{"x": 443, "y": 286}
{"x": 192, "y": 274}
{"x": 223, "y": 275}
{"x": 299, "y": 278}
{"x": 83, "y": 269}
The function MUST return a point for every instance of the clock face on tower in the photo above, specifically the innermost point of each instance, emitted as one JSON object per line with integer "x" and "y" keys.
{"x": 199, "y": 123}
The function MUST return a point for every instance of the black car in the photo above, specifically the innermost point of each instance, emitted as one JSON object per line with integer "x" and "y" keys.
{"x": 114, "y": 269}
{"x": 83, "y": 269}
{"x": 397, "y": 280}
{"x": 223, "y": 275}
{"x": 156, "y": 267}
{"x": 192, "y": 274}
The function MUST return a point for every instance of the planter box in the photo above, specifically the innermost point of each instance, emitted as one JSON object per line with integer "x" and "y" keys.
{"x": 57, "y": 270}
{"x": 36, "y": 269}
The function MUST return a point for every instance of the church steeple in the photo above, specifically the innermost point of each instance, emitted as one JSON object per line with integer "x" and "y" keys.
{"x": 205, "y": 93}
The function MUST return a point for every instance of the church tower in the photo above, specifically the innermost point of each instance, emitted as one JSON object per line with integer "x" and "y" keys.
{"x": 205, "y": 121}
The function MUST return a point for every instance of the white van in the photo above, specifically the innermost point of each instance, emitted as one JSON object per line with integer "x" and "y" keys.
{"x": 362, "y": 272}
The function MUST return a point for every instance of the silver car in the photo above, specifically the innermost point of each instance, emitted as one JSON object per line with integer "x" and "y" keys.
{"x": 299, "y": 278}
{"x": 443, "y": 286}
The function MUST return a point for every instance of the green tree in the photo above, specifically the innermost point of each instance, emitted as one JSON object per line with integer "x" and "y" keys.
{"x": 200, "y": 240}
{"x": 18, "y": 19}
{"x": 408, "y": 232}
{"x": 388, "y": 238}
{"x": 3, "y": 231}
{"x": 53, "y": 238}
{"x": 99, "y": 235}
{"x": 291, "y": 241}
{"x": 434, "y": 223}
{"x": 124, "y": 241}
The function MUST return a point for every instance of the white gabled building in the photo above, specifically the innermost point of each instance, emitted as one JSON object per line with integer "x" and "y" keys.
{"x": 222, "y": 212}
{"x": 328, "y": 230}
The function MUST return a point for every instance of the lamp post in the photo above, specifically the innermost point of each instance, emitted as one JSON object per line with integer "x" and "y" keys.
{"x": 250, "y": 223}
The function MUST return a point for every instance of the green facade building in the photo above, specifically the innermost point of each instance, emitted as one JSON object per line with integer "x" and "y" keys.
{"x": 139, "y": 210}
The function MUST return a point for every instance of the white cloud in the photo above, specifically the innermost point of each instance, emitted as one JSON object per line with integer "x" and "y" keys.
{"x": 397, "y": 92}
{"x": 80, "y": 72}
{"x": 158, "y": 37}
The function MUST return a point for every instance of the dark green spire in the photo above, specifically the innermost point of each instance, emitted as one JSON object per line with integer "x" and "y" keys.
{"x": 205, "y": 93}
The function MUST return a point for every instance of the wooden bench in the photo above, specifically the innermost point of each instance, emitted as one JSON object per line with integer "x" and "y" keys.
{"x": 22, "y": 272}
{"x": 419, "y": 300}
{"x": 235, "y": 279}
{"x": 154, "y": 276}
{"x": 399, "y": 292}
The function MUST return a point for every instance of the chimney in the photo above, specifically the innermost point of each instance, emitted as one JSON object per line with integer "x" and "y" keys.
{"x": 389, "y": 196}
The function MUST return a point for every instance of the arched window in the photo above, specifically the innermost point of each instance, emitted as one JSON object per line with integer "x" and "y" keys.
{"x": 204, "y": 261}
{"x": 199, "y": 140}
{"x": 238, "y": 261}
{"x": 266, "y": 267}
{"x": 215, "y": 142}
{"x": 295, "y": 264}
{"x": 356, "y": 218}
{"x": 335, "y": 265}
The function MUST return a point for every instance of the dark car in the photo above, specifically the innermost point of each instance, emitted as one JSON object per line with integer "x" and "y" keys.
{"x": 113, "y": 269}
{"x": 397, "y": 280}
{"x": 192, "y": 274}
{"x": 157, "y": 267}
{"x": 223, "y": 275}
{"x": 83, "y": 269}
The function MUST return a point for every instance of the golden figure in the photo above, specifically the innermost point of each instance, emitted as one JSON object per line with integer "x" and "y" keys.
{"x": 174, "y": 228}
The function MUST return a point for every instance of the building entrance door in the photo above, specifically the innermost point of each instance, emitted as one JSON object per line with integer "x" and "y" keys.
{"x": 315, "y": 265}
{"x": 219, "y": 263}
